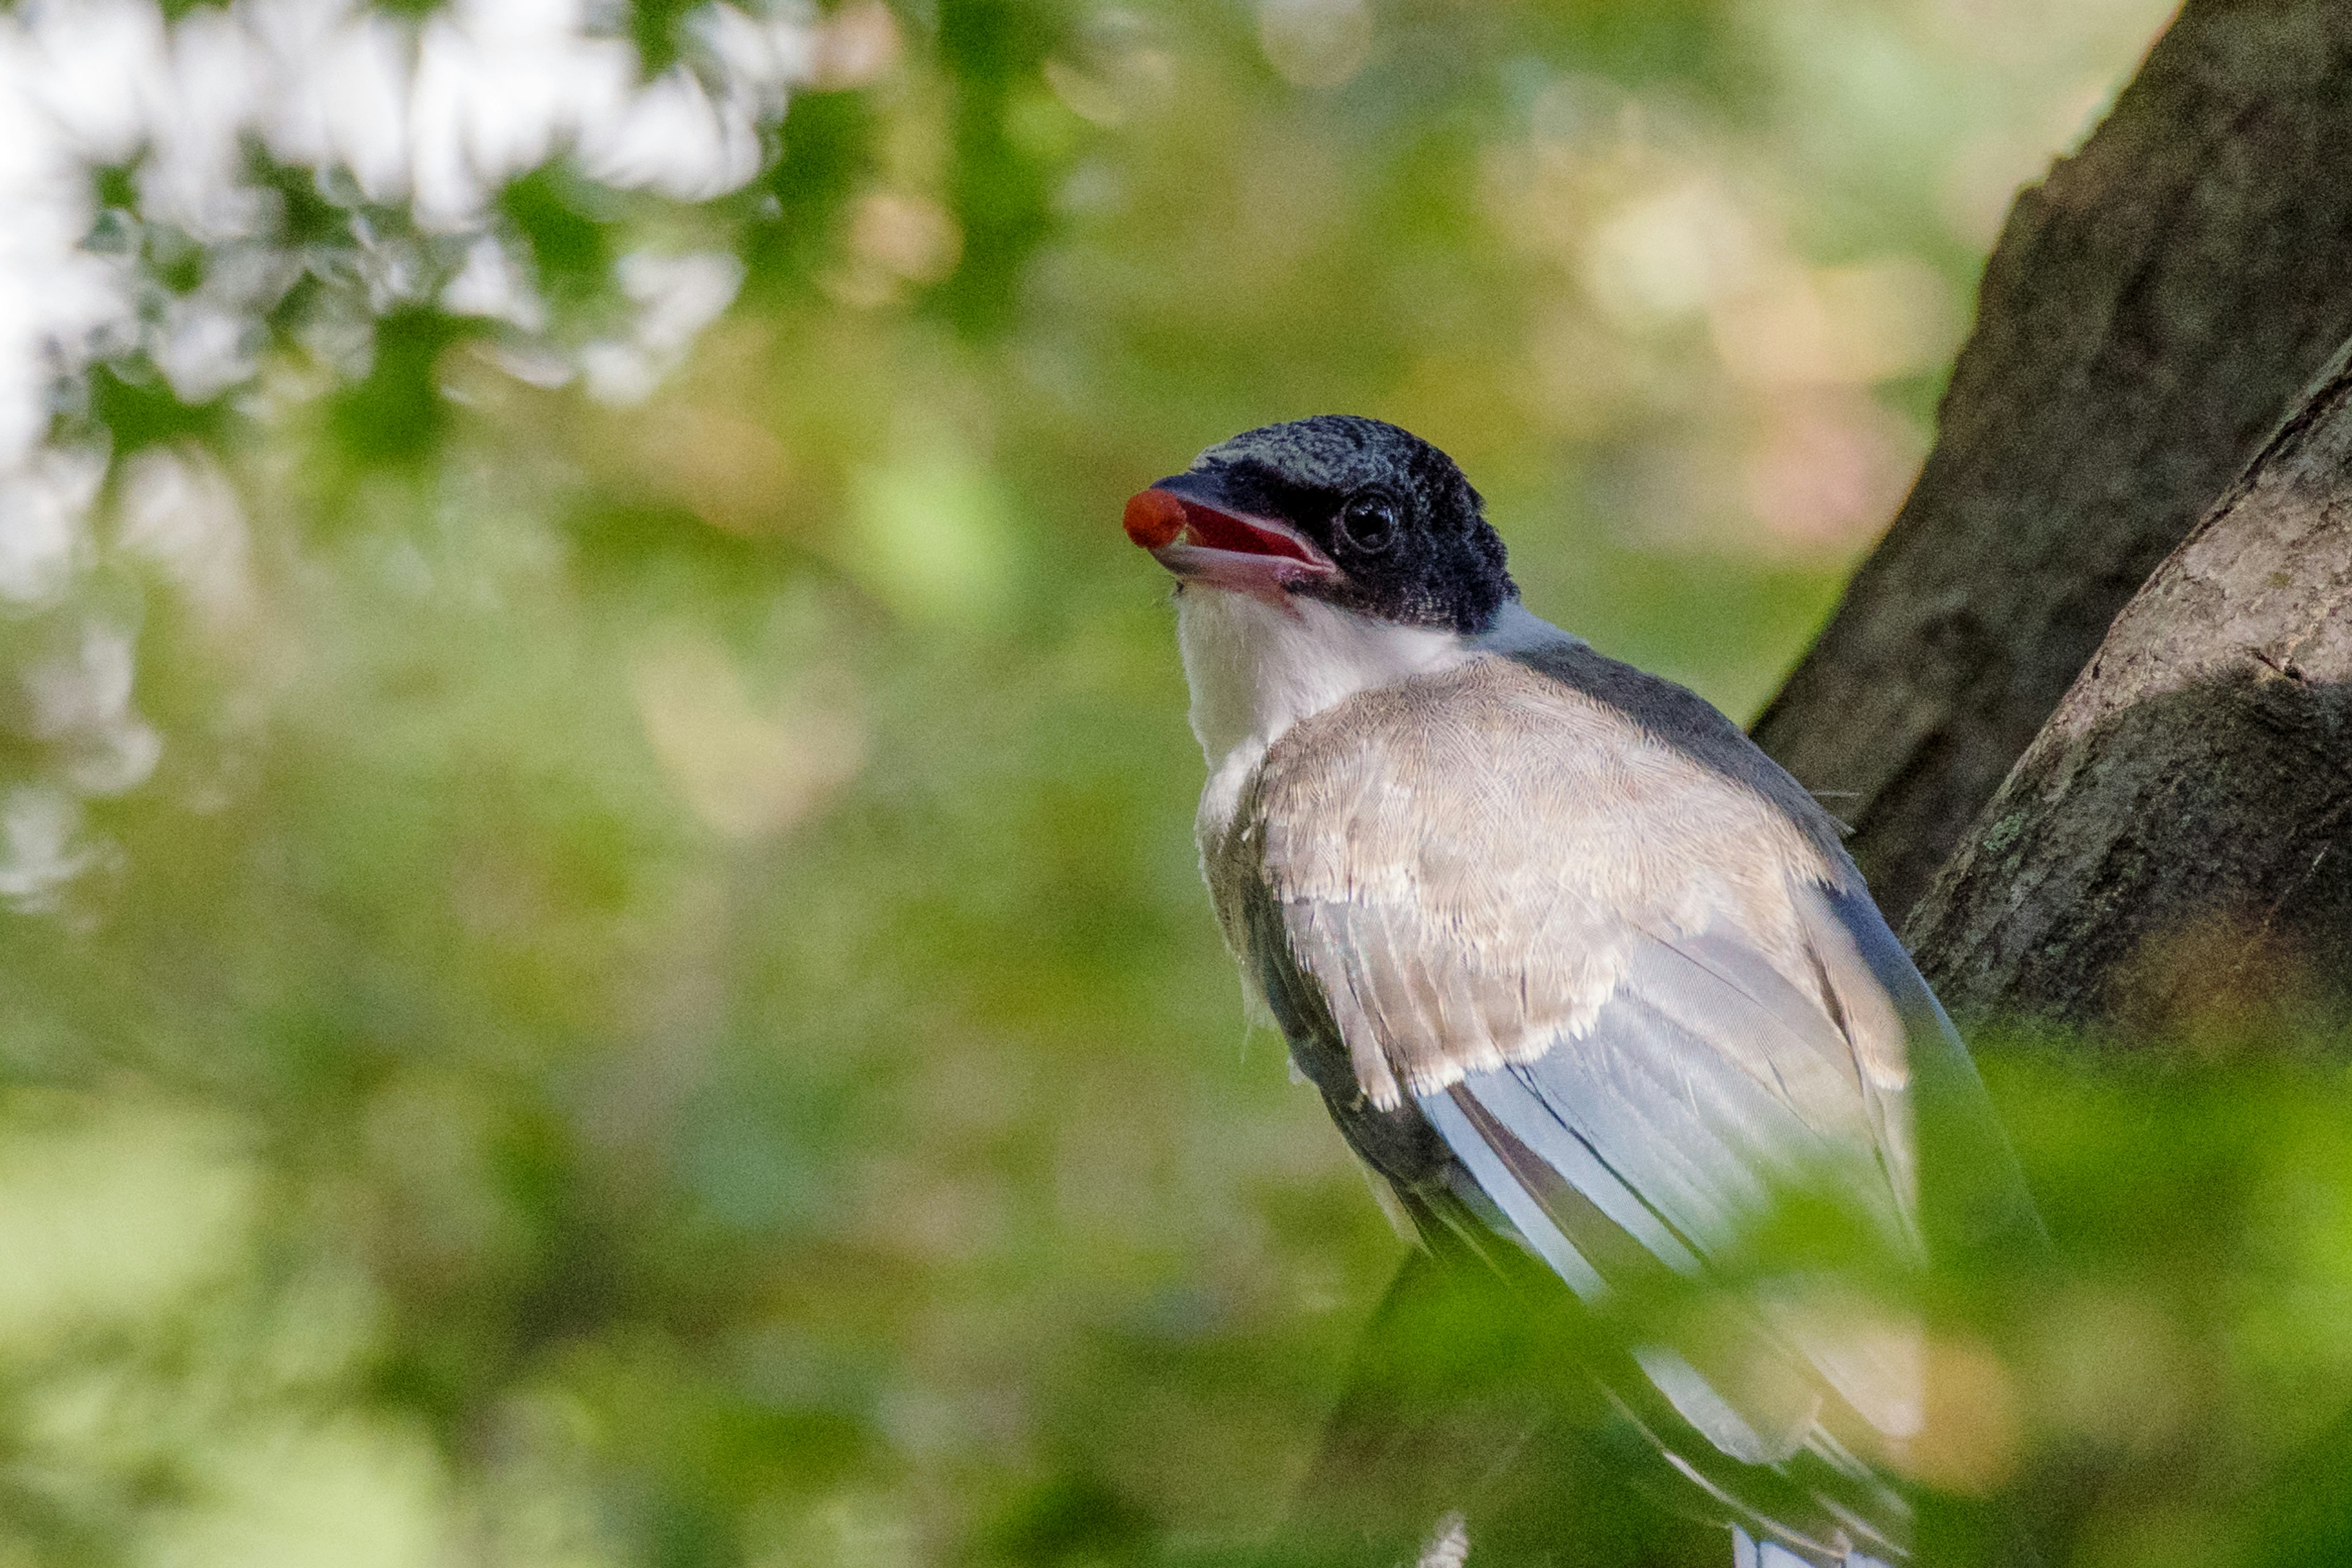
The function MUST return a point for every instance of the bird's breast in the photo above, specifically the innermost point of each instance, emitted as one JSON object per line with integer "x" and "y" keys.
{"x": 1255, "y": 670}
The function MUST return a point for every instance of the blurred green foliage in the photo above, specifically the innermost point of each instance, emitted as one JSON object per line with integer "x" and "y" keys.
{"x": 604, "y": 960}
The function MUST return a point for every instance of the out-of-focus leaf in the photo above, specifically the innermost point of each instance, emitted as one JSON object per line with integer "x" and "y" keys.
{"x": 397, "y": 414}
{"x": 1644, "y": 41}
{"x": 567, "y": 223}
{"x": 657, "y": 28}
{"x": 1072, "y": 1519}
{"x": 114, "y": 186}
{"x": 305, "y": 215}
{"x": 993, "y": 52}
{"x": 827, "y": 153}
{"x": 680, "y": 901}
{"x": 136, "y": 408}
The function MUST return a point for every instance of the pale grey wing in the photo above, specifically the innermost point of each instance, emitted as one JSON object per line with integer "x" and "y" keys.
{"x": 1704, "y": 1087}
{"x": 1707, "y": 1083}
{"x": 1452, "y": 1214}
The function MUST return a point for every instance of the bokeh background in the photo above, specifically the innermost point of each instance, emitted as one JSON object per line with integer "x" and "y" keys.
{"x": 601, "y": 961}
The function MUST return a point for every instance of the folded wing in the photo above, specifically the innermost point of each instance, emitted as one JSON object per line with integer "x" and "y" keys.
{"x": 1620, "y": 967}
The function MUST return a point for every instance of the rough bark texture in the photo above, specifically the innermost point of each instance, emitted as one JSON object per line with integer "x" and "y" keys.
{"x": 2179, "y": 834}
{"x": 2150, "y": 311}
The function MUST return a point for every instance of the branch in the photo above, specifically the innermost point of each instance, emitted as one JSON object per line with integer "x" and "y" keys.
{"x": 2151, "y": 310}
{"x": 2178, "y": 837}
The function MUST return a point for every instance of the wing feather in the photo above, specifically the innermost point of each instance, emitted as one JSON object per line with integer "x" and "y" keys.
{"x": 1626, "y": 977}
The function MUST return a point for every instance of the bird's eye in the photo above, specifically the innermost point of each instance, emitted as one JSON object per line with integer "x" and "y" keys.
{"x": 1369, "y": 522}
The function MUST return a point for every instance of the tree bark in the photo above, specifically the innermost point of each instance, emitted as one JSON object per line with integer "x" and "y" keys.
{"x": 2177, "y": 842}
{"x": 2149, "y": 312}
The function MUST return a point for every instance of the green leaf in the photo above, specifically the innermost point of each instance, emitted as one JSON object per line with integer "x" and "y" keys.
{"x": 827, "y": 153}
{"x": 396, "y": 415}
{"x": 568, "y": 221}
{"x": 1000, "y": 185}
{"x": 1072, "y": 1518}
{"x": 136, "y": 408}
{"x": 657, "y": 28}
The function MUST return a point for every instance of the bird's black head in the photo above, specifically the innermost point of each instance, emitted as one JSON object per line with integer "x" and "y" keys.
{"x": 1350, "y": 510}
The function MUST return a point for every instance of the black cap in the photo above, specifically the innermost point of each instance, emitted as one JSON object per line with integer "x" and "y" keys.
{"x": 1408, "y": 533}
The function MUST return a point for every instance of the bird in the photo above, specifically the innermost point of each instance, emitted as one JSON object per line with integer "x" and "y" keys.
{"x": 1584, "y": 977}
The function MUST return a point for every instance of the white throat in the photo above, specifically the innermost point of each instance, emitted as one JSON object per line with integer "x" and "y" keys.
{"x": 1257, "y": 669}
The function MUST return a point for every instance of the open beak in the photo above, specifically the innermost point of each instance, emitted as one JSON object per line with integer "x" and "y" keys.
{"x": 1193, "y": 533}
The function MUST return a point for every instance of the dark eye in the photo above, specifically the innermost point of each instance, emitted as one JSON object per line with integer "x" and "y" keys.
{"x": 1369, "y": 522}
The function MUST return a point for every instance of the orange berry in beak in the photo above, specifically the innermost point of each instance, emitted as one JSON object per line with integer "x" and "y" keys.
{"x": 1154, "y": 518}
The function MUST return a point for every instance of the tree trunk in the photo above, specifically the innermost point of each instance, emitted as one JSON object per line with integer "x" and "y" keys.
{"x": 2150, "y": 310}
{"x": 2177, "y": 840}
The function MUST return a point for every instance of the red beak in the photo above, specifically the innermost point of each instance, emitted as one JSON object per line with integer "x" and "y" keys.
{"x": 1219, "y": 548}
